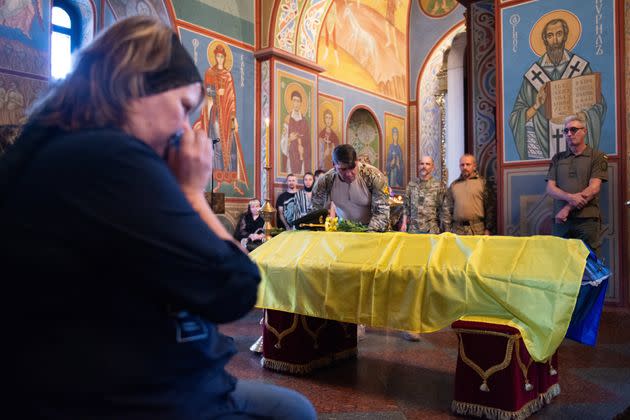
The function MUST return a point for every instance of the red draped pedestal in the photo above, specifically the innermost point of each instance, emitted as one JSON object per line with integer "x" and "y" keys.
{"x": 298, "y": 344}
{"x": 495, "y": 375}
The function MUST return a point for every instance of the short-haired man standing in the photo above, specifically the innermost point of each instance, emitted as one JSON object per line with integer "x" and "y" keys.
{"x": 358, "y": 191}
{"x": 574, "y": 181}
{"x": 425, "y": 208}
{"x": 471, "y": 201}
{"x": 285, "y": 204}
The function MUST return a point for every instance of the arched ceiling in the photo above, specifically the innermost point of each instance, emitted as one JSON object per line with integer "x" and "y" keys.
{"x": 298, "y": 23}
{"x": 360, "y": 42}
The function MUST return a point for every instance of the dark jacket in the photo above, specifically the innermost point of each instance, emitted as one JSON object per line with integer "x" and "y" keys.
{"x": 116, "y": 287}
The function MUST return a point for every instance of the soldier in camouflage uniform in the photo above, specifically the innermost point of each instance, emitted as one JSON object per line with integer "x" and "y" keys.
{"x": 358, "y": 191}
{"x": 471, "y": 201}
{"x": 425, "y": 208}
{"x": 355, "y": 191}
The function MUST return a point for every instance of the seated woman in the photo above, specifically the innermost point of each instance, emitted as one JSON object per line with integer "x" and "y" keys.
{"x": 249, "y": 229}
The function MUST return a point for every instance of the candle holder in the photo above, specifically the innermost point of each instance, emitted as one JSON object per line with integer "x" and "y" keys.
{"x": 268, "y": 211}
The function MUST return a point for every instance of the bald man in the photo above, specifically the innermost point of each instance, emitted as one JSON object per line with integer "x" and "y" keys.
{"x": 471, "y": 201}
{"x": 425, "y": 209}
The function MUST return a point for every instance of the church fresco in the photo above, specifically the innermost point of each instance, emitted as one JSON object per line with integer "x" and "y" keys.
{"x": 232, "y": 19}
{"x": 329, "y": 128}
{"x": 218, "y": 119}
{"x": 287, "y": 24}
{"x": 395, "y": 145}
{"x": 126, "y": 8}
{"x": 363, "y": 43}
{"x": 229, "y": 85}
{"x": 547, "y": 43}
{"x": 364, "y": 135}
{"x": 311, "y": 21}
{"x": 437, "y": 8}
{"x": 25, "y": 36}
{"x": 17, "y": 94}
{"x": 294, "y": 132}
{"x": 86, "y": 9}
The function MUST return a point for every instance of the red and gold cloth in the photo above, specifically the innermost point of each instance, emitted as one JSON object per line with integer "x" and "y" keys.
{"x": 496, "y": 377}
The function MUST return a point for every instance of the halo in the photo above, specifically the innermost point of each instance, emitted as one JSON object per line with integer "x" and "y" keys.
{"x": 424, "y": 6}
{"x": 326, "y": 106}
{"x": 575, "y": 30}
{"x": 228, "y": 54}
{"x": 292, "y": 87}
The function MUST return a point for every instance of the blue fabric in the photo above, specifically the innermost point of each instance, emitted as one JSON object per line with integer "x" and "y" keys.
{"x": 116, "y": 285}
{"x": 584, "y": 323}
{"x": 257, "y": 400}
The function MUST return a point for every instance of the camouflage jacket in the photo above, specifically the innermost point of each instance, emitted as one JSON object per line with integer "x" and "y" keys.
{"x": 489, "y": 201}
{"x": 425, "y": 207}
{"x": 376, "y": 183}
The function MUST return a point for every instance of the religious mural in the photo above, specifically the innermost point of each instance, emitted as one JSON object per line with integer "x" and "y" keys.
{"x": 126, "y": 8}
{"x": 364, "y": 135}
{"x": 565, "y": 66}
{"x": 287, "y": 24}
{"x": 233, "y": 19}
{"x": 295, "y": 117}
{"x": 86, "y": 9}
{"x": 17, "y": 94}
{"x": 329, "y": 123}
{"x": 437, "y": 8}
{"x": 395, "y": 143}
{"x": 363, "y": 43}
{"x": 229, "y": 85}
{"x": 218, "y": 119}
{"x": 25, "y": 36}
{"x": 312, "y": 17}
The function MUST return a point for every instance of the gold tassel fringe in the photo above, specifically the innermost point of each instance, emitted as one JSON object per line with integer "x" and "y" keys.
{"x": 477, "y": 410}
{"x": 552, "y": 392}
{"x": 303, "y": 369}
{"x": 294, "y": 368}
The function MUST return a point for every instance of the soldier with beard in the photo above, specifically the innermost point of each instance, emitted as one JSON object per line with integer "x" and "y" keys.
{"x": 471, "y": 201}
{"x": 535, "y": 136}
{"x": 425, "y": 206}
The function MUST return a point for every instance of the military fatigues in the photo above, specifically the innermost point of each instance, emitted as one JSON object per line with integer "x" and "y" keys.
{"x": 472, "y": 204}
{"x": 425, "y": 206}
{"x": 572, "y": 174}
{"x": 374, "y": 181}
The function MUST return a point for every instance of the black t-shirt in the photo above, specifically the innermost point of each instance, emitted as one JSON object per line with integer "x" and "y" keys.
{"x": 286, "y": 200}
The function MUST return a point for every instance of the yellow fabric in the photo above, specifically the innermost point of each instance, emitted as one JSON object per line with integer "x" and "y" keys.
{"x": 423, "y": 283}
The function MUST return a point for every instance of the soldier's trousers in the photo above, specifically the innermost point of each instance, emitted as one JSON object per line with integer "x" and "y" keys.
{"x": 587, "y": 229}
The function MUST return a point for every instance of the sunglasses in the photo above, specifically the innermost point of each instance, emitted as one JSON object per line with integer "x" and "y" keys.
{"x": 573, "y": 130}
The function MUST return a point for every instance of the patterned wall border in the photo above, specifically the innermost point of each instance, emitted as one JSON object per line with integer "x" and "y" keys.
{"x": 265, "y": 111}
{"x": 484, "y": 100}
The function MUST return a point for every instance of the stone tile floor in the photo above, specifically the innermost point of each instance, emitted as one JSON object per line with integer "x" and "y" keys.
{"x": 394, "y": 379}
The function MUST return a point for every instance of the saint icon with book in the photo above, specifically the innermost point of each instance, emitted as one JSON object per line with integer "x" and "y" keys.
{"x": 557, "y": 85}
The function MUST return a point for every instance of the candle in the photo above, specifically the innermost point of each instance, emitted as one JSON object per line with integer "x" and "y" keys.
{"x": 267, "y": 151}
